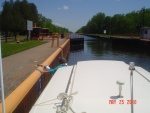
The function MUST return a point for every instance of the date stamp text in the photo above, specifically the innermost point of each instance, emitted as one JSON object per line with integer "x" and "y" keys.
{"x": 121, "y": 102}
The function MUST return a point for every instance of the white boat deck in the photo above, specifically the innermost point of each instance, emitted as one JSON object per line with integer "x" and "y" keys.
{"x": 48, "y": 97}
{"x": 95, "y": 82}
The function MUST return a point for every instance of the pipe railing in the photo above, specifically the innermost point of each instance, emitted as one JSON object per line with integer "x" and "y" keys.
{"x": 15, "y": 98}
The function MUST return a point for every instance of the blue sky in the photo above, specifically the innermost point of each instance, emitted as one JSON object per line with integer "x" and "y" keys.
{"x": 73, "y": 14}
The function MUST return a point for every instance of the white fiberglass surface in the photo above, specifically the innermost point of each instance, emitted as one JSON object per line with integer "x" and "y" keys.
{"x": 98, "y": 92}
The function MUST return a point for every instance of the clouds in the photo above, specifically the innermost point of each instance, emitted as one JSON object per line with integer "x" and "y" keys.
{"x": 64, "y": 8}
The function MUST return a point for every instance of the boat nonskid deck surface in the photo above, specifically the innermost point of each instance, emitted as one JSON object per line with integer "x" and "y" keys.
{"x": 98, "y": 86}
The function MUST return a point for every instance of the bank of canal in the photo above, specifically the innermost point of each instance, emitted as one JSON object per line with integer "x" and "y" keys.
{"x": 98, "y": 49}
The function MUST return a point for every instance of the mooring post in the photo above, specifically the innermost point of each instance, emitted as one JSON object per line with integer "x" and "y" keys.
{"x": 132, "y": 68}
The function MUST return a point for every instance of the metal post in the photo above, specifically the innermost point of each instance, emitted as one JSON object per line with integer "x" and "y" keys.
{"x": 132, "y": 68}
{"x": 1, "y": 80}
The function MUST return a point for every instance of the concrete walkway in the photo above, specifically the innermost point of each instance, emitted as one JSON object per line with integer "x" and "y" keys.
{"x": 17, "y": 67}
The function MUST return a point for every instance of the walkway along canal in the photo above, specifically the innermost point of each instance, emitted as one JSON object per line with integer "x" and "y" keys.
{"x": 25, "y": 95}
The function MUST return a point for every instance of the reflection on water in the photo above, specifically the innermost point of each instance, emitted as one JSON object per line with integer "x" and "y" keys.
{"x": 94, "y": 49}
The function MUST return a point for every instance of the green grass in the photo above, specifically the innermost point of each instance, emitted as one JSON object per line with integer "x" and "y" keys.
{"x": 13, "y": 47}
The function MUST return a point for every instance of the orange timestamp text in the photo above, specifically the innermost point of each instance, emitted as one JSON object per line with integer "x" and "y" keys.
{"x": 122, "y": 102}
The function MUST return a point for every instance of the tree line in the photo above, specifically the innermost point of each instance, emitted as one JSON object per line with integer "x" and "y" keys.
{"x": 126, "y": 24}
{"x": 14, "y": 16}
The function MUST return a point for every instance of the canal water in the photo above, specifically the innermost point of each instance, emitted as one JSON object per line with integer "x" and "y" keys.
{"x": 94, "y": 49}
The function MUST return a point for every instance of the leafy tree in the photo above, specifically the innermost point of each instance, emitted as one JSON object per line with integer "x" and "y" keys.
{"x": 124, "y": 24}
{"x": 14, "y": 17}
{"x": 146, "y": 16}
{"x": 0, "y": 21}
{"x": 33, "y": 12}
{"x": 107, "y": 24}
{"x": 6, "y": 17}
{"x": 95, "y": 25}
{"x": 17, "y": 18}
{"x": 117, "y": 24}
{"x": 47, "y": 23}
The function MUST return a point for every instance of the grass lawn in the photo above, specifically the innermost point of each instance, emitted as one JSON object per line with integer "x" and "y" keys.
{"x": 12, "y": 47}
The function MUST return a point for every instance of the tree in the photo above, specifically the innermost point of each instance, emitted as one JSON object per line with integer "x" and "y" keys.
{"x": 18, "y": 18}
{"x": 47, "y": 23}
{"x": 107, "y": 24}
{"x": 95, "y": 25}
{"x": 33, "y": 12}
{"x": 0, "y": 21}
{"x": 14, "y": 17}
{"x": 7, "y": 19}
{"x": 129, "y": 23}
